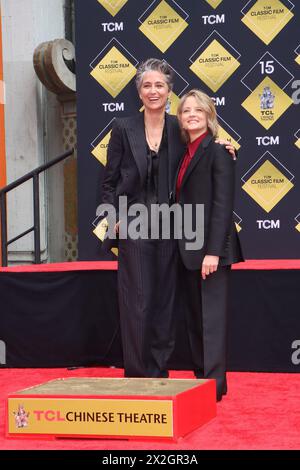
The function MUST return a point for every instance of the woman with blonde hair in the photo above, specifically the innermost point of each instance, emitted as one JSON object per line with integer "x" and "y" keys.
{"x": 206, "y": 176}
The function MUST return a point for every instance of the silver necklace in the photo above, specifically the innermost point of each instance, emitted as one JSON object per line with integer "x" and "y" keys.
{"x": 153, "y": 145}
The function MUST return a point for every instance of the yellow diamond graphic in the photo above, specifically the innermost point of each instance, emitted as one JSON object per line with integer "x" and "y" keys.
{"x": 101, "y": 229}
{"x": 222, "y": 134}
{"x": 114, "y": 72}
{"x": 113, "y": 6}
{"x": 298, "y": 59}
{"x": 163, "y": 26}
{"x": 174, "y": 101}
{"x": 100, "y": 232}
{"x": 214, "y": 65}
{"x": 297, "y": 143}
{"x": 298, "y": 227}
{"x": 214, "y": 3}
{"x": 267, "y": 186}
{"x": 267, "y": 103}
{"x": 238, "y": 227}
{"x": 100, "y": 151}
{"x": 267, "y": 18}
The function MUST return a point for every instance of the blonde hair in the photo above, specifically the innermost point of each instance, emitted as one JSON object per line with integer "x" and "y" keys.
{"x": 208, "y": 107}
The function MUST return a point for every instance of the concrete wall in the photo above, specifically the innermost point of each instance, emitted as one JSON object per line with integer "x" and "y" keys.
{"x": 33, "y": 124}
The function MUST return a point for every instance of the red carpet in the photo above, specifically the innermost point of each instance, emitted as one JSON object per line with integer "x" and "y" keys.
{"x": 261, "y": 411}
{"x": 254, "y": 264}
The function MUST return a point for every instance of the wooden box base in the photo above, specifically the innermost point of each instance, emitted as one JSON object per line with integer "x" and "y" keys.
{"x": 112, "y": 408}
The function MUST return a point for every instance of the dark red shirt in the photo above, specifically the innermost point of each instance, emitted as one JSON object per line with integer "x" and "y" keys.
{"x": 191, "y": 150}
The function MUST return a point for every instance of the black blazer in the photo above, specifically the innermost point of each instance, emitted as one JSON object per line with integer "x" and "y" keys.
{"x": 126, "y": 169}
{"x": 209, "y": 180}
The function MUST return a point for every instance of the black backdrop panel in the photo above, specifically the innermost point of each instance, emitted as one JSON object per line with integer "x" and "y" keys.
{"x": 71, "y": 319}
{"x": 59, "y": 319}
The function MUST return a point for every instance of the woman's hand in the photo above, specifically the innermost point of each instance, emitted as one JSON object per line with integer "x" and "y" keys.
{"x": 209, "y": 265}
{"x": 228, "y": 146}
{"x": 117, "y": 227}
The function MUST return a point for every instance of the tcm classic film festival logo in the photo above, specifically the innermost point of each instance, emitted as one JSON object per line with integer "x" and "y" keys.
{"x": 99, "y": 151}
{"x": 214, "y": 61}
{"x": 100, "y": 143}
{"x": 267, "y": 18}
{"x": 214, "y": 3}
{"x": 297, "y": 135}
{"x": 267, "y": 181}
{"x": 113, "y": 6}
{"x": 297, "y": 52}
{"x": 113, "y": 67}
{"x": 163, "y": 22}
{"x": 297, "y": 219}
{"x": 226, "y": 132}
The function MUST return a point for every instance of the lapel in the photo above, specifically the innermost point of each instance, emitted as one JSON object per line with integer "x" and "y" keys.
{"x": 197, "y": 157}
{"x": 172, "y": 133}
{"x": 175, "y": 150}
{"x": 177, "y": 171}
{"x": 137, "y": 141}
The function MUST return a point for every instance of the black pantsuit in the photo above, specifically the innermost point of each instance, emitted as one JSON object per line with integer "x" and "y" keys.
{"x": 209, "y": 180}
{"x": 205, "y": 304}
{"x": 146, "y": 287}
{"x": 147, "y": 268}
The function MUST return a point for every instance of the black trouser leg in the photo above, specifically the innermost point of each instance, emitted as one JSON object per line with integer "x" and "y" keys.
{"x": 215, "y": 317}
{"x": 146, "y": 285}
{"x": 162, "y": 339}
{"x": 206, "y": 315}
{"x": 189, "y": 285}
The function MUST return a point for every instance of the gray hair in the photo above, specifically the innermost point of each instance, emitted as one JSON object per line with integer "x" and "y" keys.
{"x": 154, "y": 65}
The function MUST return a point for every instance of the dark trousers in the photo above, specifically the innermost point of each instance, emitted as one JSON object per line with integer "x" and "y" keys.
{"x": 146, "y": 286}
{"x": 205, "y": 306}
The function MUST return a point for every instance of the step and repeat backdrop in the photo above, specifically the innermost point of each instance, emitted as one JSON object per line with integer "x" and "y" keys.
{"x": 245, "y": 54}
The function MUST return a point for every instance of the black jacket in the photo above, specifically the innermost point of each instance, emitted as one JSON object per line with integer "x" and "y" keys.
{"x": 126, "y": 169}
{"x": 209, "y": 180}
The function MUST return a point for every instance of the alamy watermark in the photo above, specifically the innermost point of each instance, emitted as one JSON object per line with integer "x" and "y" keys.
{"x": 2, "y": 353}
{"x": 295, "y": 357}
{"x": 296, "y": 94}
{"x": 158, "y": 221}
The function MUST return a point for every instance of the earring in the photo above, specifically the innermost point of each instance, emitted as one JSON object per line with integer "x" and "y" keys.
{"x": 168, "y": 105}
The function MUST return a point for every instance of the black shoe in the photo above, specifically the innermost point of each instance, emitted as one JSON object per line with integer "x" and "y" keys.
{"x": 199, "y": 374}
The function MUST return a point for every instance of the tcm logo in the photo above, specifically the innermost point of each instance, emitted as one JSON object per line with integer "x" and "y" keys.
{"x": 213, "y": 19}
{"x": 219, "y": 101}
{"x": 110, "y": 27}
{"x": 296, "y": 354}
{"x": 267, "y": 140}
{"x": 268, "y": 224}
{"x": 112, "y": 107}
